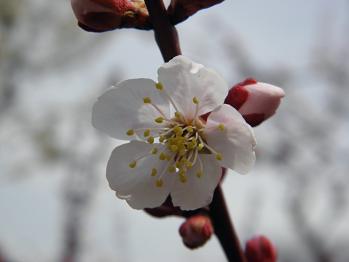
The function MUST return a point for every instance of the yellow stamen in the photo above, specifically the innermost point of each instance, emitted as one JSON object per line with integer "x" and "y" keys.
{"x": 162, "y": 156}
{"x": 219, "y": 156}
{"x": 132, "y": 164}
{"x": 189, "y": 164}
{"x": 178, "y": 115}
{"x": 190, "y": 129}
{"x": 159, "y": 86}
{"x": 182, "y": 152}
{"x": 146, "y": 133}
{"x": 159, "y": 120}
{"x": 178, "y": 130}
{"x": 154, "y": 151}
{"x": 130, "y": 132}
{"x": 200, "y": 147}
{"x": 195, "y": 100}
{"x": 174, "y": 148}
{"x": 162, "y": 139}
{"x": 146, "y": 100}
{"x": 150, "y": 140}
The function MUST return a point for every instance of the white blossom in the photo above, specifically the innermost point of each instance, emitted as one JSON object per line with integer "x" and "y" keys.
{"x": 173, "y": 149}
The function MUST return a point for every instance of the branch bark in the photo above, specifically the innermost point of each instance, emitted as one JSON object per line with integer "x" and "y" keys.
{"x": 166, "y": 35}
{"x": 224, "y": 228}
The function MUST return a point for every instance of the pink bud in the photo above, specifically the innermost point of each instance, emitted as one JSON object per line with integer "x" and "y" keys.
{"x": 260, "y": 249}
{"x": 105, "y": 15}
{"x": 256, "y": 101}
{"x": 196, "y": 231}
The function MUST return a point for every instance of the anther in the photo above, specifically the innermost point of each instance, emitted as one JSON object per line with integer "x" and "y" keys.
{"x": 154, "y": 172}
{"x": 150, "y": 140}
{"x": 154, "y": 151}
{"x": 130, "y": 132}
{"x": 189, "y": 164}
{"x": 161, "y": 139}
{"x": 221, "y": 127}
{"x": 190, "y": 129}
{"x": 200, "y": 147}
{"x": 182, "y": 152}
{"x": 132, "y": 164}
{"x": 174, "y": 148}
{"x": 195, "y": 100}
{"x": 178, "y": 130}
{"x": 178, "y": 115}
{"x": 159, "y": 86}
{"x": 146, "y": 133}
{"x": 146, "y": 100}
{"x": 219, "y": 156}
{"x": 162, "y": 156}
{"x": 159, "y": 120}
{"x": 159, "y": 183}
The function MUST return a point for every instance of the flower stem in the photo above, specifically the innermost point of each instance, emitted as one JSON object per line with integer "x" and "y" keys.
{"x": 165, "y": 33}
{"x": 224, "y": 228}
{"x": 167, "y": 39}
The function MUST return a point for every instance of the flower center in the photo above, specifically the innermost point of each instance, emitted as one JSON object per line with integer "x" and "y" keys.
{"x": 183, "y": 138}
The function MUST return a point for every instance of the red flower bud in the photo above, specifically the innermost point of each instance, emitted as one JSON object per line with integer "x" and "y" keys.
{"x": 105, "y": 15}
{"x": 256, "y": 101}
{"x": 196, "y": 231}
{"x": 179, "y": 10}
{"x": 260, "y": 249}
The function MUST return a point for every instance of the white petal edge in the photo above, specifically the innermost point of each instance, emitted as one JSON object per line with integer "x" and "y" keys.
{"x": 136, "y": 185}
{"x": 197, "y": 192}
{"x": 122, "y": 108}
{"x": 263, "y": 98}
{"x": 236, "y": 142}
{"x": 184, "y": 79}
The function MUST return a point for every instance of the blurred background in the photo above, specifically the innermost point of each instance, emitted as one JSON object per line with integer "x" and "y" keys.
{"x": 55, "y": 204}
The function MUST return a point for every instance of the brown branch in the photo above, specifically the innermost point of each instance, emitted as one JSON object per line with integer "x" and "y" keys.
{"x": 224, "y": 228}
{"x": 165, "y": 33}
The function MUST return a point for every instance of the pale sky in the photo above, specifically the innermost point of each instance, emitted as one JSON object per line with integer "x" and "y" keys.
{"x": 276, "y": 32}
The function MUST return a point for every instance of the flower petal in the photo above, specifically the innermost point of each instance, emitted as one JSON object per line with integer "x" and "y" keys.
{"x": 183, "y": 80}
{"x": 197, "y": 192}
{"x": 236, "y": 141}
{"x": 136, "y": 185}
{"x": 122, "y": 108}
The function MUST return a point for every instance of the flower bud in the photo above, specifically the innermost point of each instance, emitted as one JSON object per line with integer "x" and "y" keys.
{"x": 260, "y": 249}
{"x": 179, "y": 10}
{"x": 196, "y": 231}
{"x": 256, "y": 101}
{"x": 105, "y": 15}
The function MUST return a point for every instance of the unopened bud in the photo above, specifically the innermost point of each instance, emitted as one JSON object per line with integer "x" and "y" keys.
{"x": 196, "y": 231}
{"x": 256, "y": 101}
{"x": 260, "y": 249}
{"x": 179, "y": 10}
{"x": 105, "y": 15}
